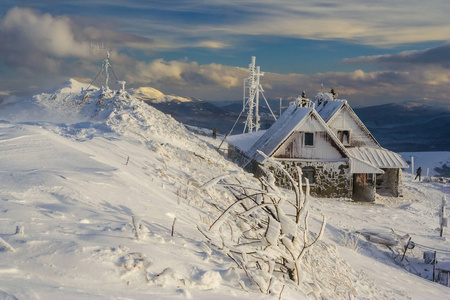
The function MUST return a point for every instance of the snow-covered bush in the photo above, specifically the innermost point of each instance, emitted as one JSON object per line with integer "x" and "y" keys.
{"x": 264, "y": 233}
{"x": 350, "y": 240}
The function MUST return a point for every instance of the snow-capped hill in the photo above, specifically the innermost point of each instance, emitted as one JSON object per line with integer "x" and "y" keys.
{"x": 73, "y": 86}
{"x": 119, "y": 111}
{"x": 150, "y": 94}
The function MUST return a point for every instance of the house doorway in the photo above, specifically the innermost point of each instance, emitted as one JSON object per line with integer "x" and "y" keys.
{"x": 363, "y": 187}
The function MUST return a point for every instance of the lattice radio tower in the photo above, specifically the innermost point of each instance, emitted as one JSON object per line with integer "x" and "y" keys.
{"x": 252, "y": 89}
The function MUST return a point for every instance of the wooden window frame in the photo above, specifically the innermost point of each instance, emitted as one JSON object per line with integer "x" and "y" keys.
{"x": 305, "y": 172}
{"x": 313, "y": 140}
{"x": 340, "y": 136}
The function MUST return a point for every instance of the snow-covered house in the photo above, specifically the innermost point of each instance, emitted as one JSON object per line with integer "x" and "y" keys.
{"x": 361, "y": 144}
{"x": 335, "y": 151}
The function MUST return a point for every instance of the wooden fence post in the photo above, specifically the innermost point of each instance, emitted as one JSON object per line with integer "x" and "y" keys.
{"x": 406, "y": 248}
{"x": 434, "y": 267}
{"x": 443, "y": 218}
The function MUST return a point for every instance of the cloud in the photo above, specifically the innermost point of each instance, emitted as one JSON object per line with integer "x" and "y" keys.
{"x": 430, "y": 67}
{"x": 212, "y": 44}
{"x": 186, "y": 74}
{"x": 381, "y": 23}
{"x": 41, "y": 42}
{"x": 219, "y": 82}
{"x": 434, "y": 56}
{"x": 23, "y": 30}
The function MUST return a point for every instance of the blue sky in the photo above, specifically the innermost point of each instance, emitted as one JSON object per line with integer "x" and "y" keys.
{"x": 371, "y": 52}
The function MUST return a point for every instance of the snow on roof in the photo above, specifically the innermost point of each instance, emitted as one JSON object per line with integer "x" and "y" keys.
{"x": 358, "y": 166}
{"x": 327, "y": 106}
{"x": 281, "y": 129}
{"x": 246, "y": 140}
{"x": 379, "y": 157}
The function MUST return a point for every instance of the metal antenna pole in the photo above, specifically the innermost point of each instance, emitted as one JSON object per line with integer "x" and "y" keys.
{"x": 280, "y": 106}
{"x": 249, "y": 101}
{"x": 106, "y": 72}
{"x": 257, "y": 118}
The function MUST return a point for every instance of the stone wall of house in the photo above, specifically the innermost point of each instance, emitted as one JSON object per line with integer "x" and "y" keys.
{"x": 390, "y": 182}
{"x": 332, "y": 179}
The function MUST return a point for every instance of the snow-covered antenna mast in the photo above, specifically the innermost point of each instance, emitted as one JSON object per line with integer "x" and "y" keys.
{"x": 252, "y": 89}
{"x": 251, "y": 101}
{"x": 105, "y": 66}
{"x": 96, "y": 47}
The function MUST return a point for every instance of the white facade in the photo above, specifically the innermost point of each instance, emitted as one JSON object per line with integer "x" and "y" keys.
{"x": 350, "y": 131}
{"x": 323, "y": 147}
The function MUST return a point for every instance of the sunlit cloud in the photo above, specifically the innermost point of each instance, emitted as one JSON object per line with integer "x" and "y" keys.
{"x": 212, "y": 44}
{"x": 186, "y": 74}
{"x": 32, "y": 41}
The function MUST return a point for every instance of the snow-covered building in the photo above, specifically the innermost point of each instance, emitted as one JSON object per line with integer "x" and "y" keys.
{"x": 331, "y": 145}
{"x": 360, "y": 143}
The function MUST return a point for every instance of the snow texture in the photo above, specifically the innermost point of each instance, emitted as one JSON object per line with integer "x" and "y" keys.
{"x": 78, "y": 166}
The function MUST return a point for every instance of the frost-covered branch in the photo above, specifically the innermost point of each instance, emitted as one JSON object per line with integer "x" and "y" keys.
{"x": 8, "y": 247}
{"x": 269, "y": 233}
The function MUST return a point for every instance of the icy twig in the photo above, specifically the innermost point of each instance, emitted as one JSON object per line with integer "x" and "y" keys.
{"x": 173, "y": 225}
{"x": 8, "y": 247}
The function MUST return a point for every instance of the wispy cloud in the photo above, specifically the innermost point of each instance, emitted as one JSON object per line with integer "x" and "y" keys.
{"x": 380, "y": 23}
{"x": 434, "y": 56}
{"x": 212, "y": 45}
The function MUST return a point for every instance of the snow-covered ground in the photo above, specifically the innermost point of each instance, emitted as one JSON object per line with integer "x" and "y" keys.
{"x": 91, "y": 192}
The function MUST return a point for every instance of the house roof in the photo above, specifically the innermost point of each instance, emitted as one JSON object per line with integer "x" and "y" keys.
{"x": 363, "y": 159}
{"x": 279, "y": 131}
{"x": 245, "y": 141}
{"x": 326, "y": 106}
{"x": 358, "y": 166}
{"x": 379, "y": 157}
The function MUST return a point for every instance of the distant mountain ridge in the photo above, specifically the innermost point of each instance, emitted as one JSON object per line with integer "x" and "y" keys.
{"x": 398, "y": 127}
{"x": 408, "y": 128}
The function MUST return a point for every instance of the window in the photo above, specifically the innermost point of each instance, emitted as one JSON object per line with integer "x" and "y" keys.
{"x": 308, "y": 172}
{"x": 344, "y": 136}
{"x": 309, "y": 139}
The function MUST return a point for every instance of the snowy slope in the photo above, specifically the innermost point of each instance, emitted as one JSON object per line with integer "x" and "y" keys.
{"x": 77, "y": 169}
{"x": 71, "y": 188}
